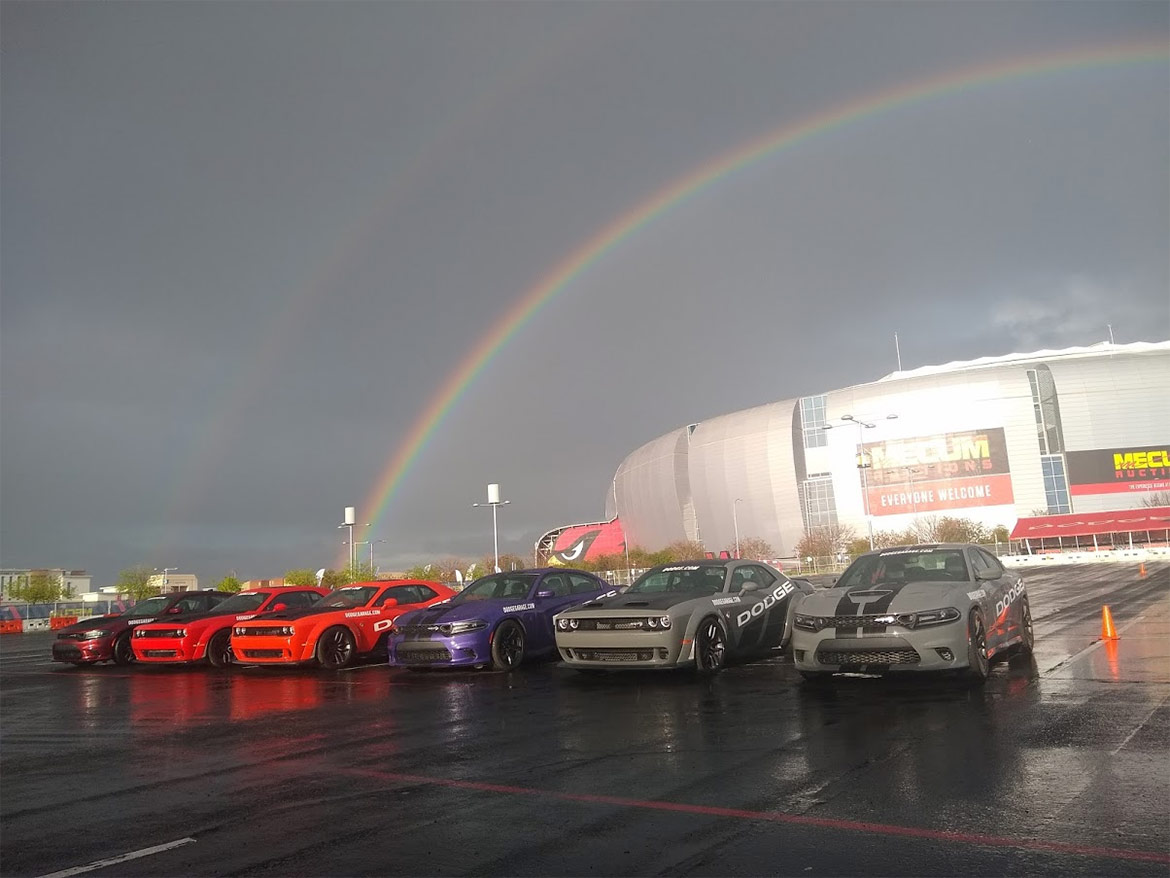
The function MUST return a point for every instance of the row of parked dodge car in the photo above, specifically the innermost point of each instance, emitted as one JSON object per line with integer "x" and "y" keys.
{"x": 940, "y": 607}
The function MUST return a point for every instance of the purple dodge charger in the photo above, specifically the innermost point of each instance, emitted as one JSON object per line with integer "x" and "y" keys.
{"x": 499, "y": 620}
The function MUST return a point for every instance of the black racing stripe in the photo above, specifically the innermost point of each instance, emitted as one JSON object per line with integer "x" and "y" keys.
{"x": 867, "y": 601}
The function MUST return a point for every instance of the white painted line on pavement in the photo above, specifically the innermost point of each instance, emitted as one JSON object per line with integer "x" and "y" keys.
{"x": 113, "y": 861}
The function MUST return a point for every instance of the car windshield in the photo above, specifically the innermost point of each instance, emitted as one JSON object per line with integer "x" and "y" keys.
{"x": 905, "y": 565}
{"x": 499, "y": 586}
{"x": 698, "y": 579}
{"x": 350, "y": 596}
{"x": 149, "y": 607}
{"x": 241, "y": 603}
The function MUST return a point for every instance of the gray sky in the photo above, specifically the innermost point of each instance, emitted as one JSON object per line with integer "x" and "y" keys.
{"x": 245, "y": 245}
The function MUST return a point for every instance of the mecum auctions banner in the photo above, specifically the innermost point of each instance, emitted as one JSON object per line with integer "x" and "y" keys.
{"x": 936, "y": 473}
{"x": 1119, "y": 470}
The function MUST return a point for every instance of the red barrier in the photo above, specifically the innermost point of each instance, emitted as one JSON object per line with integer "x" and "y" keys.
{"x": 62, "y": 621}
{"x": 16, "y": 627}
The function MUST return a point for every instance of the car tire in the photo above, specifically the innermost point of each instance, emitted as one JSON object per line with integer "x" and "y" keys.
{"x": 335, "y": 648}
{"x": 710, "y": 647}
{"x": 219, "y": 649}
{"x": 978, "y": 663}
{"x": 508, "y": 646}
{"x": 1029, "y": 635}
{"x": 123, "y": 652}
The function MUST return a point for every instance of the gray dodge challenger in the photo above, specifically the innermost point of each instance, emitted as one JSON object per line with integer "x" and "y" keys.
{"x": 685, "y": 614}
{"x": 944, "y": 607}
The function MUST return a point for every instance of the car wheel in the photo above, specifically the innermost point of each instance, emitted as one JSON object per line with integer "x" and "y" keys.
{"x": 123, "y": 651}
{"x": 508, "y": 647}
{"x": 219, "y": 649}
{"x": 978, "y": 663}
{"x": 335, "y": 649}
{"x": 710, "y": 647}
{"x": 1029, "y": 635}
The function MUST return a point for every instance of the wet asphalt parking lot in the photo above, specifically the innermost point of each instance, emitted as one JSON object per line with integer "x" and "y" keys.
{"x": 1057, "y": 766}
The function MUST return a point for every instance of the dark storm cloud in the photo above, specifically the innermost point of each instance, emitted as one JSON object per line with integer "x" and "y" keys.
{"x": 245, "y": 245}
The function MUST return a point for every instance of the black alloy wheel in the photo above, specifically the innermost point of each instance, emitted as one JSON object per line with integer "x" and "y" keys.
{"x": 710, "y": 647}
{"x": 219, "y": 649}
{"x": 508, "y": 647}
{"x": 978, "y": 664}
{"x": 336, "y": 649}
{"x": 123, "y": 651}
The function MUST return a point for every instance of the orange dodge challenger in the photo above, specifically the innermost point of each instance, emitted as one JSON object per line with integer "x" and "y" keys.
{"x": 207, "y": 636}
{"x": 352, "y": 621}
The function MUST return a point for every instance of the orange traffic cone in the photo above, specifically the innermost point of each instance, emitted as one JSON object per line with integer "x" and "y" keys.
{"x": 1142, "y": 571}
{"x": 1108, "y": 632}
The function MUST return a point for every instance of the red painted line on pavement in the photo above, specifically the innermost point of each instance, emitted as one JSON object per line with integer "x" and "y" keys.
{"x": 997, "y": 841}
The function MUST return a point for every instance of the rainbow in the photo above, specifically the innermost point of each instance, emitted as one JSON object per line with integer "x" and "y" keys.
{"x": 711, "y": 172}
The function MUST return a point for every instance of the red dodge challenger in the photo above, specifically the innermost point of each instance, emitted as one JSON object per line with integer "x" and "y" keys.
{"x": 208, "y": 635}
{"x": 352, "y": 621}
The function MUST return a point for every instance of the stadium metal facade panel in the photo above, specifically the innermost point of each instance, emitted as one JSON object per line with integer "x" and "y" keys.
{"x": 995, "y": 439}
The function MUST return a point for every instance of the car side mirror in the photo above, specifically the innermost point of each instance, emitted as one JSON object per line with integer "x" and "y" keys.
{"x": 390, "y": 602}
{"x": 749, "y": 586}
{"x": 546, "y": 594}
{"x": 276, "y": 607}
{"x": 174, "y": 610}
{"x": 986, "y": 574}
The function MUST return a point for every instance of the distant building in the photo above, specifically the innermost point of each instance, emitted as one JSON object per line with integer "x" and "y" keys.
{"x": 995, "y": 440}
{"x": 167, "y": 583}
{"x": 262, "y": 583}
{"x": 75, "y": 582}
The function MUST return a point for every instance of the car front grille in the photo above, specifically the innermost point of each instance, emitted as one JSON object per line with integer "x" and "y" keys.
{"x": 614, "y": 655}
{"x": 615, "y": 623}
{"x": 153, "y": 632}
{"x": 424, "y": 656}
{"x": 263, "y": 653}
{"x": 905, "y": 656}
{"x": 256, "y": 631}
{"x": 159, "y": 653}
{"x": 870, "y": 621}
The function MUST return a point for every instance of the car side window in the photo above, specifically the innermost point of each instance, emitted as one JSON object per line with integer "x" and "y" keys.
{"x": 761, "y": 577}
{"x": 992, "y": 561}
{"x": 295, "y": 599}
{"x": 556, "y": 584}
{"x": 979, "y": 563}
{"x": 581, "y": 584}
{"x": 404, "y": 594}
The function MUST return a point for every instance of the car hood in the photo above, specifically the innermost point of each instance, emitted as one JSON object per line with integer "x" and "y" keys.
{"x": 302, "y": 612}
{"x": 885, "y": 598}
{"x": 660, "y": 601}
{"x": 487, "y": 609}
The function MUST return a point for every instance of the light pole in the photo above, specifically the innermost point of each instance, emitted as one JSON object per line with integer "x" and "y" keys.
{"x": 371, "y": 542}
{"x": 735, "y": 522}
{"x": 862, "y": 462}
{"x": 350, "y": 521}
{"x": 165, "y": 571}
{"x": 494, "y": 501}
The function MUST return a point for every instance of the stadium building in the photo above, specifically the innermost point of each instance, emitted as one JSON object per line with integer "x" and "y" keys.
{"x": 1046, "y": 444}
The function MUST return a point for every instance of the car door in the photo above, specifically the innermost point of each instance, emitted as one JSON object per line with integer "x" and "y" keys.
{"x": 990, "y": 580}
{"x": 763, "y": 610}
{"x": 539, "y": 619}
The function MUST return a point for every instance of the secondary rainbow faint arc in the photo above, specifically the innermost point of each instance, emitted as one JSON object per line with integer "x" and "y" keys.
{"x": 622, "y": 227}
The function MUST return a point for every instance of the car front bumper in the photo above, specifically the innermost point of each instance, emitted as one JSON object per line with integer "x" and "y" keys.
{"x": 938, "y": 648}
{"x": 460, "y": 650}
{"x": 610, "y": 650}
{"x": 167, "y": 650}
{"x": 83, "y": 651}
{"x": 276, "y": 649}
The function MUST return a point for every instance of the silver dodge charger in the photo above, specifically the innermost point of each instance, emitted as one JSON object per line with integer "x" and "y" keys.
{"x": 943, "y": 607}
{"x": 684, "y": 614}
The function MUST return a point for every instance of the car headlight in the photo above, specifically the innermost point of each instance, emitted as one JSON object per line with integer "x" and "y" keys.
{"x": 181, "y": 632}
{"x": 929, "y": 617}
{"x": 807, "y": 623}
{"x": 660, "y": 623}
{"x": 94, "y": 634}
{"x": 567, "y": 624}
{"x": 462, "y": 627}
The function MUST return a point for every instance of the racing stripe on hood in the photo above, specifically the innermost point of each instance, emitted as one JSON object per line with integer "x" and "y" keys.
{"x": 866, "y": 601}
